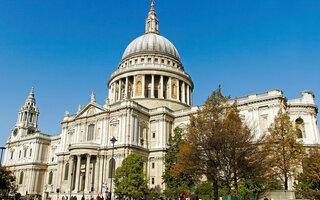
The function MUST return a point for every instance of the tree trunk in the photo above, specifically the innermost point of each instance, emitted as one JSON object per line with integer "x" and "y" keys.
{"x": 229, "y": 193}
{"x": 236, "y": 186}
{"x": 285, "y": 181}
{"x": 215, "y": 189}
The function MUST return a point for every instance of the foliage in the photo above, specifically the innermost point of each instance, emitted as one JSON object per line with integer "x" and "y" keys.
{"x": 219, "y": 146}
{"x": 129, "y": 177}
{"x": 308, "y": 182}
{"x": 204, "y": 190}
{"x": 183, "y": 182}
{"x": 285, "y": 152}
{"x": 153, "y": 193}
{"x": 6, "y": 178}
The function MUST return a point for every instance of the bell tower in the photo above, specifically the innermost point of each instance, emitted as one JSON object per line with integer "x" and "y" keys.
{"x": 27, "y": 122}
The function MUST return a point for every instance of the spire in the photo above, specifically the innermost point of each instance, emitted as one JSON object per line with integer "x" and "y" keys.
{"x": 152, "y": 23}
{"x": 30, "y": 98}
{"x": 93, "y": 97}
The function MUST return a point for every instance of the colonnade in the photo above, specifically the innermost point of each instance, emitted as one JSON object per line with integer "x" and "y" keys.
{"x": 85, "y": 172}
{"x": 151, "y": 86}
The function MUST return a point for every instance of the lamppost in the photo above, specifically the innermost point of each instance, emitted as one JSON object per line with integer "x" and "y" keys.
{"x": 2, "y": 148}
{"x": 113, "y": 140}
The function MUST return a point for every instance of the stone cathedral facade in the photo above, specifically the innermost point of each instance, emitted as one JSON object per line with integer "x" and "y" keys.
{"x": 149, "y": 95}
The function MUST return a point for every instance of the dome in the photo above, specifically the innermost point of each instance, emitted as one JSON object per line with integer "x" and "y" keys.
{"x": 151, "y": 43}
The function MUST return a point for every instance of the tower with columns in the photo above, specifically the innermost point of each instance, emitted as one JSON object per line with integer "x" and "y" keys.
{"x": 149, "y": 95}
{"x": 27, "y": 122}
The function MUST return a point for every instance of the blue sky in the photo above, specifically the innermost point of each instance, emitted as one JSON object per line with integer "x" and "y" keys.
{"x": 67, "y": 49}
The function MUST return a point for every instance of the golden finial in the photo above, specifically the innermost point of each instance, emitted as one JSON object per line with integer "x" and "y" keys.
{"x": 152, "y": 4}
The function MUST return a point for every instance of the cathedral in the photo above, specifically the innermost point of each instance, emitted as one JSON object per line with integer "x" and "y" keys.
{"x": 150, "y": 94}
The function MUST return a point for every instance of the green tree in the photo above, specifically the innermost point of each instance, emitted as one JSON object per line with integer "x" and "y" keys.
{"x": 204, "y": 190}
{"x": 308, "y": 182}
{"x": 129, "y": 178}
{"x": 285, "y": 152}
{"x": 175, "y": 184}
{"x": 6, "y": 179}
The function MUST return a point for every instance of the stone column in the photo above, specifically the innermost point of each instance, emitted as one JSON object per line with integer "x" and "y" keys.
{"x": 188, "y": 94}
{"x": 178, "y": 90}
{"x": 143, "y": 85}
{"x": 119, "y": 94}
{"x": 183, "y": 93}
{"x": 101, "y": 173}
{"x": 152, "y": 86}
{"x": 161, "y": 87}
{"x": 126, "y": 89}
{"x": 70, "y": 175}
{"x": 109, "y": 92}
{"x": 114, "y": 92}
{"x": 96, "y": 174}
{"x": 78, "y": 173}
{"x": 190, "y": 97}
{"x": 86, "y": 186}
{"x": 170, "y": 89}
{"x": 134, "y": 87}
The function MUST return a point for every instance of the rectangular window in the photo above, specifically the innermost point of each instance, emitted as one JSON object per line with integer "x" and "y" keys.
{"x": 149, "y": 59}
{"x": 11, "y": 155}
{"x": 154, "y": 135}
{"x": 90, "y": 132}
{"x": 153, "y": 165}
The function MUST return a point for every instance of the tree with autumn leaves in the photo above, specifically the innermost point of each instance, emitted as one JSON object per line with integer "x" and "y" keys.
{"x": 219, "y": 146}
{"x": 175, "y": 185}
{"x": 285, "y": 152}
{"x": 308, "y": 181}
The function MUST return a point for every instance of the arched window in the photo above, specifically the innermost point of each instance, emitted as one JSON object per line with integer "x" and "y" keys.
{"x": 31, "y": 116}
{"x": 21, "y": 178}
{"x": 112, "y": 166}
{"x": 90, "y": 132}
{"x": 66, "y": 171}
{"x": 50, "y": 178}
{"x": 25, "y": 116}
{"x": 174, "y": 91}
{"x": 139, "y": 88}
{"x": 20, "y": 154}
{"x": 300, "y": 127}
{"x": 30, "y": 153}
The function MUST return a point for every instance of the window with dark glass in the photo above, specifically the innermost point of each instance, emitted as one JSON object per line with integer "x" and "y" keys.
{"x": 90, "y": 132}
{"x": 21, "y": 178}
{"x": 112, "y": 166}
{"x": 66, "y": 171}
{"x": 50, "y": 178}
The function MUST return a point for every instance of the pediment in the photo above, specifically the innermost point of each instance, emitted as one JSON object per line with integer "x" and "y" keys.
{"x": 90, "y": 110}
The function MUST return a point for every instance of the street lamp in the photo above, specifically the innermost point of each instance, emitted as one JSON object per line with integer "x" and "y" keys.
{"x": 2, "y": 148}
{"x": 113, "y": 140}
